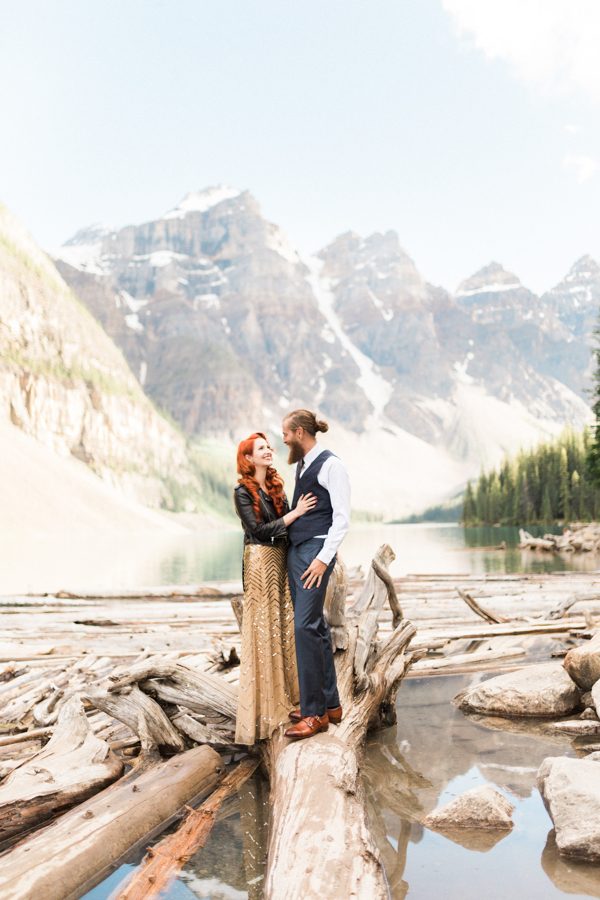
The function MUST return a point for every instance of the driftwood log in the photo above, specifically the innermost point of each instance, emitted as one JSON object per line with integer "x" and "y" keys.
{"x": 320, "y": 844}
{"x": 88, "y": 840}
{"x": 74, "y": 765}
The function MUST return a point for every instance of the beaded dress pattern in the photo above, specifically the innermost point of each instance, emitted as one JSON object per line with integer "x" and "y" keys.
{"x": 268, "y": 687}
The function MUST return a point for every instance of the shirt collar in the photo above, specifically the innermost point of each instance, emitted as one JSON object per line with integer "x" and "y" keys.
{"x": 311, "y": 456}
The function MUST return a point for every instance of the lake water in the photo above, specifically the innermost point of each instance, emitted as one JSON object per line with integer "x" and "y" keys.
{"x": 215, "y": 555}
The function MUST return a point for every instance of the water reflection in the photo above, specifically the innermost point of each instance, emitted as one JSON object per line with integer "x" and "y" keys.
{"x": 232, "y": 863}
{"x": 436, "y": 753}
{"x": 132, "y": 561}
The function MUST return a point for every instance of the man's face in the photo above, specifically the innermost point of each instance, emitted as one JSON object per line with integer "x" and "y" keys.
{"x": 292, "y": 442}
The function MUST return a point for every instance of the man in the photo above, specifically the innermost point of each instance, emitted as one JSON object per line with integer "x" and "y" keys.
{"x": 313, "y": 542}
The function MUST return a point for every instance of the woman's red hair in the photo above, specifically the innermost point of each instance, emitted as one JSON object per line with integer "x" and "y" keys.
{"x": 247, "y": 471}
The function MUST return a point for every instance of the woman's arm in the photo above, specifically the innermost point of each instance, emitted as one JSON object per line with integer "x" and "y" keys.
{"x": 262, "y": 531}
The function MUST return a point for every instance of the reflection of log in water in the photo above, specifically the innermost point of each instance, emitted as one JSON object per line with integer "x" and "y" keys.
{"x": 254, "y": 810}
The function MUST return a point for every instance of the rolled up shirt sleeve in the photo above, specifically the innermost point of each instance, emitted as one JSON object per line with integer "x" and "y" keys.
{"x": 334, "y": 477}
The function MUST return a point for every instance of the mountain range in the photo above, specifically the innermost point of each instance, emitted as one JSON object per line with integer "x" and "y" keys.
{"x": 226, "y": 326}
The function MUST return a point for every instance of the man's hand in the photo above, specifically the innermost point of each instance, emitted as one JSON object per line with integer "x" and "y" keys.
{"x": 314, "y": 574}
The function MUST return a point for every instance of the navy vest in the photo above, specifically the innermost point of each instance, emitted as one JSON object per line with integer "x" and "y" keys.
{"x": 318, "y": 520}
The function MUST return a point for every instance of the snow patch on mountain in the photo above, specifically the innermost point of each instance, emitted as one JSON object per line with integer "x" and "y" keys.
{"x": 159, "y": 258}
{"x": 488, "y": 289}
{"x": 375, "y": 387}
{"x": 85, "y": 257}
{"x": 277, "y": 241}
{"x": 201, "y": 201}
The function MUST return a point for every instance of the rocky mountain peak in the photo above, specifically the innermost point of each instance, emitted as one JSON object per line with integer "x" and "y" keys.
{"x": 491, "y": 279}
{"x": 373, "y": 259}
{"x": 585, "y": 269}
{"x": 202, "y": 200}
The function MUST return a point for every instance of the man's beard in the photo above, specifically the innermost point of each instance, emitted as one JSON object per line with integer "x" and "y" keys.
{"x": 295, "y": 452}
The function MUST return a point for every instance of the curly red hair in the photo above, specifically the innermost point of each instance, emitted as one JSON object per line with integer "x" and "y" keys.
{"x": 247, "y": 471}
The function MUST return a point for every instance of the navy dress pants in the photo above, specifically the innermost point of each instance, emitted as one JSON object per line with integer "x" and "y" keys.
{"x": 316, "y": 671}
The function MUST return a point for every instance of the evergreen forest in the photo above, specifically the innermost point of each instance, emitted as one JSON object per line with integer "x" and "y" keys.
{"x": 554, "y": 482}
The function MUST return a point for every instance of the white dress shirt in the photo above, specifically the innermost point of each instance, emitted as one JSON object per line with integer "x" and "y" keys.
{"x": 334, "y": 478}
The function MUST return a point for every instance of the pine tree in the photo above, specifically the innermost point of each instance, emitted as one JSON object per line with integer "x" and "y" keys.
{"x": 546, "y": 512}
{"x": 593, "y": 454}
{"x": 469, "y": 514}
{"x": 564, "y": 488}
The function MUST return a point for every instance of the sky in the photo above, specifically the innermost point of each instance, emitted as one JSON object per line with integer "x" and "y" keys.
{"x": 470, "y": 127}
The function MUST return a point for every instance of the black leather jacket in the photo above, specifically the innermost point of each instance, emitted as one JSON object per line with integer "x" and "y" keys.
{"x": 271, "y": 530}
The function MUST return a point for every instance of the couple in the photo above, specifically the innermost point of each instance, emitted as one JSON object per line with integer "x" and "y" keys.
{"x": 289, "y": 554}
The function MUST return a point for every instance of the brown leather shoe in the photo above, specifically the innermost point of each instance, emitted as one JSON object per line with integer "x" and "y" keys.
{"x": 308, "y": 726}
{"x": 334, "y": 715}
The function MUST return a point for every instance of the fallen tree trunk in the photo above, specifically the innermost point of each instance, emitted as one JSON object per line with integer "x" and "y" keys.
{"x": 68, "y": 856}
{"x": 320, "y": 844}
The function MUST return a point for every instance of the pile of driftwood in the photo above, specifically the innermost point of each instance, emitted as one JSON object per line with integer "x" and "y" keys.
{"x": 579, "y": 538}
{"x": 117, "y": 712}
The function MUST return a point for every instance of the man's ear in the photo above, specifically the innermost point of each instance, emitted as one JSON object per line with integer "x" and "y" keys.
{"x": 299, "y": 433}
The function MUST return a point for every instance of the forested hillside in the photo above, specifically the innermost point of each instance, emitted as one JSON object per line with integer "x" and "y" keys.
{"x": 551, "y": 483}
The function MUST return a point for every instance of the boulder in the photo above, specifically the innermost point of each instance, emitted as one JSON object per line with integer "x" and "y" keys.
{"x": 540, "y": 690}
{"x": 583, "y": 663}
{"x": 571, "y": 792}
{"x": 481, "y": 807}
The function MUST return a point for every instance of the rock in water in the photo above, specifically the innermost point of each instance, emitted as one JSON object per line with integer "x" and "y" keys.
{"x": 541, "y": 690}
{"x": 481, "y": 807}
{"x": 583, "y": 663}
{"x": 571, "y": 792}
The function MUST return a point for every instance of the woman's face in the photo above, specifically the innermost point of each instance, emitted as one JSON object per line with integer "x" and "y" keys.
{"x": 262, "y": 454}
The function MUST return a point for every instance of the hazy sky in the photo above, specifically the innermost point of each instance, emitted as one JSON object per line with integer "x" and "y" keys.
{"x": 471, "y": 127}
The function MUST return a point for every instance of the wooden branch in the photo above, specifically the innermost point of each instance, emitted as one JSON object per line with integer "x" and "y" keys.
{"x": 387, "y": 579}
{"x": 215, "y": 693}
{"x": 25, "y": 736}
{"x": 142, "y": 714}
{"x": 70, "y": 856}
{"x": 366, "y": 610}
{"x": 163, "y": 861}
{"x": 483, "y": 613}
{"x": 237, "y": 605}
{"x": 201, "y": 733}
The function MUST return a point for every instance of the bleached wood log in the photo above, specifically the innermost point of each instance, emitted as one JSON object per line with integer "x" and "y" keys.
{"x": 202, "y": 733}
{"x": 335, "y": 606}
{"x": 190, "y": 684}
{"x": 325, "y": 849}
{"x": 69, "y": 856}
{"x": 142, "y": 715}
{"x": 366, "y": 612}
{"x": 73, "y": 765}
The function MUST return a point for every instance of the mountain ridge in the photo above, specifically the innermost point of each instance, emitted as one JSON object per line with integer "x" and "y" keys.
{"x": 225, "y": 323}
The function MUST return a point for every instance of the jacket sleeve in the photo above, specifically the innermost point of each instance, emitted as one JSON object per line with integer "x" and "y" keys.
{"x": 262, "y": 531}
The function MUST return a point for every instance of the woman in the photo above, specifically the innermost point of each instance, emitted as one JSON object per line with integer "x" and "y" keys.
{"x": 268, "y": 674}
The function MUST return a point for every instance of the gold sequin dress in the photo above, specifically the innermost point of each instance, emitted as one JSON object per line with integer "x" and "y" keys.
{"x": 268, "y": 675}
